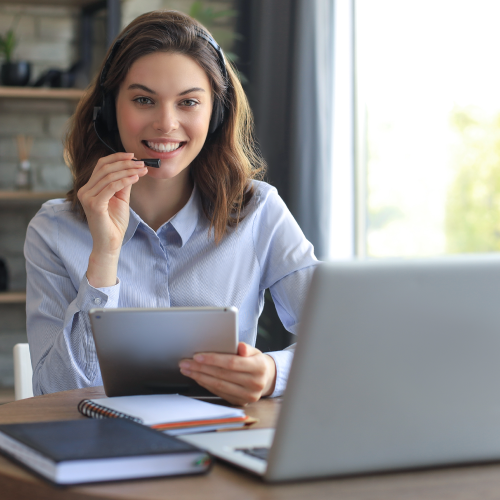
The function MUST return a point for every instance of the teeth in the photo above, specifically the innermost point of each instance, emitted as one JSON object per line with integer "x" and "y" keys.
{"x": 162, "y": 147}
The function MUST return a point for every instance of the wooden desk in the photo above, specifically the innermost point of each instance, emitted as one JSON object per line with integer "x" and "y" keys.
{"x": 225, "y": 482}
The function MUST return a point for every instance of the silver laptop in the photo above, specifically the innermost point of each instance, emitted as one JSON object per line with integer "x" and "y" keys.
{"x": 397, "y": 366}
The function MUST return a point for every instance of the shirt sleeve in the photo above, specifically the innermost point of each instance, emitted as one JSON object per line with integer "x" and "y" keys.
{"x": 283, "y": 361}
{"x": 61, "y": 344}
{"x": 287, "y": 263}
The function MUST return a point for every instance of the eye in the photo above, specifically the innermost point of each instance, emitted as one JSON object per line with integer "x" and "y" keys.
{"x": 189, "y": 103}
{"x": 143, "y": 101}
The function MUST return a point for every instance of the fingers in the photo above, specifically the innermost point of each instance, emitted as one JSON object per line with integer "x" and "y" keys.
{"x": 240, "y": 379}
{"x": 111, "y": 177}
{"x": 111, "y": 169}
{"x": 106, "y": 164}
{"x": 229, "y": 361}
{"x": 115, "y": 181}
{"x": 229, "y": 390}
{"x": 252, "y": 378}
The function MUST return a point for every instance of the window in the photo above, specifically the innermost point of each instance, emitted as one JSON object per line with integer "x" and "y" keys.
{"x": 427, "y": 126}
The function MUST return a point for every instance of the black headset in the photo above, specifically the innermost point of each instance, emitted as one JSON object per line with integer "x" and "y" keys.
{"x": 105, "y": 115}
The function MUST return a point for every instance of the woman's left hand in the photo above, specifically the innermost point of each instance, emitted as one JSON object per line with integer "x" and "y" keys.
{"x": 238, "y": 378}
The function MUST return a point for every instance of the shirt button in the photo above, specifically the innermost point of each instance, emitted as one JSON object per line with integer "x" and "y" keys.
{"x": 97, "y": 300}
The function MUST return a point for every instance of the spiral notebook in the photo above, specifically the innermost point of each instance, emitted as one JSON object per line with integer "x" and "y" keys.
{"x": 170, "y": 413}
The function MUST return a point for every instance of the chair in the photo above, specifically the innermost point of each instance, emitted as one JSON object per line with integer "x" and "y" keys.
{"x": 23, "y": 373}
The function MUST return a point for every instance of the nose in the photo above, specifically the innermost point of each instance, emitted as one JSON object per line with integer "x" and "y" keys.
{"x": 166, "y": 119}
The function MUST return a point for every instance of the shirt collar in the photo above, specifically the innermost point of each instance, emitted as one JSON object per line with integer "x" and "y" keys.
{"x": 133, "y": 224}
{"x": 184, "y": 221}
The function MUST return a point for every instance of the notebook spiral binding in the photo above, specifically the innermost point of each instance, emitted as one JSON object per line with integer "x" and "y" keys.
{"x": 90, "y": 409}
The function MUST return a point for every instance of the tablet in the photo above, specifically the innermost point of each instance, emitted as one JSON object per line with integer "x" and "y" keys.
{"x": 139, "y": 349}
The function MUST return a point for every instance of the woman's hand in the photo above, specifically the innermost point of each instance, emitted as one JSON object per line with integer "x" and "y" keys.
{"x": 238, "y": 378}
{"x": 105, "y": 199}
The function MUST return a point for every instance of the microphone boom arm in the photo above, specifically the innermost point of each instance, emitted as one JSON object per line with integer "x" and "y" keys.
{"x": 150, "y": 162}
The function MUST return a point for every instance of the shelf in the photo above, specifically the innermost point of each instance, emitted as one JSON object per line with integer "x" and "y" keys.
{"x": 41, "y": 93}
{"x": 12, "y": 297}
{"x": 30, "y": 195}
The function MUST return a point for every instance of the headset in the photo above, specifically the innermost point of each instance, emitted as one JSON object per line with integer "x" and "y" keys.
{"x": 105, "y": 115}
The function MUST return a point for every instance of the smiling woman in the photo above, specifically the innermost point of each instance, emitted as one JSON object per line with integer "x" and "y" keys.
{"x": 200, "y": 230}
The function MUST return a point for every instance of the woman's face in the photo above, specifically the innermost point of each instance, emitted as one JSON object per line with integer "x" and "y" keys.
{"x": 163, "y": 110}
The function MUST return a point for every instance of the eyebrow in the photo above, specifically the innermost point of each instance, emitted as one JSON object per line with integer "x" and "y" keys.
{"x": 146, "y": 89}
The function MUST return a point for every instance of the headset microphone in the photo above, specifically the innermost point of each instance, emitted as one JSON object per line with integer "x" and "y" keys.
{"x": 150, "y": 162}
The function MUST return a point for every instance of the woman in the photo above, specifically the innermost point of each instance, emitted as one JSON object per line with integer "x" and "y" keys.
{"x": 200, "y": 230}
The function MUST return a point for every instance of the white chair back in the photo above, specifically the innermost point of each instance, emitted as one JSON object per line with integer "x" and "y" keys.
{"x": 23, "y": 373}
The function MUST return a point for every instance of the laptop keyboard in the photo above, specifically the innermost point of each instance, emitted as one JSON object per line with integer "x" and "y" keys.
{"x": 255, "y": 452}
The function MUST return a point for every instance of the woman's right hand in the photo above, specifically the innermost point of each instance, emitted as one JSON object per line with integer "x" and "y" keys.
{"x": 105, "y": 199}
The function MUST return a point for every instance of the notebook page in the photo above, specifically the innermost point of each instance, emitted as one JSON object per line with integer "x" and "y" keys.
{"x": 167, "y": 408}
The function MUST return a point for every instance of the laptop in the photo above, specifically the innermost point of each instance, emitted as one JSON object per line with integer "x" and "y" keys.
{"x": 397, "y": 366}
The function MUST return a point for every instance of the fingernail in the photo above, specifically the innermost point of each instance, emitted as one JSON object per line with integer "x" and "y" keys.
{"x": 185, "y": 372}
{"x": 199, "y": 357}
{"x": 184, "y": 364}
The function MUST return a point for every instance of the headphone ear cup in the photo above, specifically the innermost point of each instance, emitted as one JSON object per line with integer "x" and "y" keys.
{"x": 217, "y": 116}
{"x": 108, "y": 113}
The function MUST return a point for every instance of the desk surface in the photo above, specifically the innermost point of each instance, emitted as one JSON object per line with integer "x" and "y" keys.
{"x": 225, "y": 482}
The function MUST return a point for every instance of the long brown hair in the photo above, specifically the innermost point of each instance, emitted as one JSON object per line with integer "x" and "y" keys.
{"x": 229, "y": 159}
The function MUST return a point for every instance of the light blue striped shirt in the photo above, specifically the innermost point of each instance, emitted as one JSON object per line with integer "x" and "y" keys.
{"x": 177, "y": 265}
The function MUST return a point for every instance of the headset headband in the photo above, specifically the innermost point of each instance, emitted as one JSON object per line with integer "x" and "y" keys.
{"x": 199, "y": 32}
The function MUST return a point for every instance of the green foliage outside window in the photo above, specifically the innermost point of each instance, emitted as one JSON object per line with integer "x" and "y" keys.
{"x": 473, "y": 203}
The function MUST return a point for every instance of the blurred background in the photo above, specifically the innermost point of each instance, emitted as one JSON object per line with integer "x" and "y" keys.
{"x": 379, "y": 120}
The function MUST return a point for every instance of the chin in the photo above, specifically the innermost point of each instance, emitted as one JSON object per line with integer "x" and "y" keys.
{"x": 163, "y": 173}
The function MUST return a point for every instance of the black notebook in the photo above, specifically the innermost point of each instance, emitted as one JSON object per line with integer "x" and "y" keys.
{"x": 82, "y": 451}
